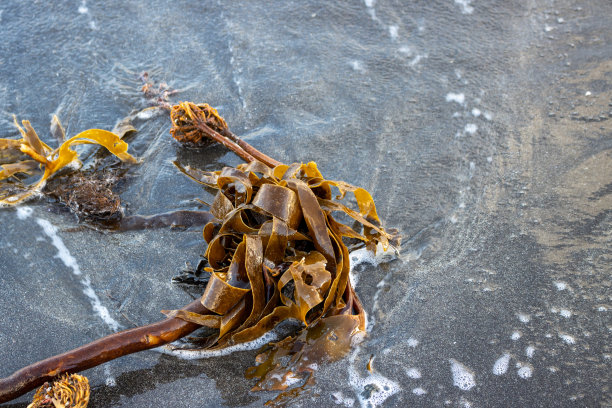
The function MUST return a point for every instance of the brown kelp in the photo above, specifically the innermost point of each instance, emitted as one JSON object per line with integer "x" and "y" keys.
{"x": 276, "y": 252}
{"x": 66, "y": 391}
{"x": 13, "y": 153}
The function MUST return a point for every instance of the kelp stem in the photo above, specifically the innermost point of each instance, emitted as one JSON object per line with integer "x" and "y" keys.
{"x": 262, "y": 157}
{"x": 98, "y": 352}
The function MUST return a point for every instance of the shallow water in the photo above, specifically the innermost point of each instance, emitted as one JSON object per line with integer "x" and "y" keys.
{"x": 482, "y": 129}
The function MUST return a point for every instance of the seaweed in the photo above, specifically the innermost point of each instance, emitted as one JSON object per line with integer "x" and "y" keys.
{"x": 42, "y": 158}
{"x": 66, "y": 391}
{"x": 275, "y": 252}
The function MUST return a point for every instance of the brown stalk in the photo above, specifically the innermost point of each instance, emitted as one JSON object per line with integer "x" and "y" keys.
{"x": 264, "y": 158}
{"x": 97, "y": 352}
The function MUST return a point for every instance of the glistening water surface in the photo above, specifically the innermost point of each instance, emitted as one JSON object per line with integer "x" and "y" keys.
{"x": 481, "y": 128}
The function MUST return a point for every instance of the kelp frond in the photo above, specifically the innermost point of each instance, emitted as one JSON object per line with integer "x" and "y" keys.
{"x": 48, "y": 159}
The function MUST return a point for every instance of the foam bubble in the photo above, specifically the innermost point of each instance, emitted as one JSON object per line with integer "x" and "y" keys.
{"x": 412, "y": 342}
{"x": 501, "y": 364}
{"x": 24, "y": 212}
{"x": 465, "y": 5}
{"x": 419, "y": 391}
{"x": 515, "y": 335}
{"x": 476, "y": 112}
{"x": 567, "y": 338}
{"x": 560, "y": 285}
{"x": 413, "y": 373}
{"x": 565, "y": 313}
{"x": 463, "y": 377}
{"x": 524, "y": 370}
{"x": 357, "y": 65}
{"x": 529, "y": 350}
{"x": 523, "y": 318}
{"x": 455, "y": 97}
{"x": 148, "y": 113}
{"x": 470, "y": 128}
{"x": 393, "y": 30}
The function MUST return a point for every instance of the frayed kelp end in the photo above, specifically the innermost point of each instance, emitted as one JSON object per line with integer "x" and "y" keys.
{"x": 67, "y": 391}
{"x": 189, "y": 121}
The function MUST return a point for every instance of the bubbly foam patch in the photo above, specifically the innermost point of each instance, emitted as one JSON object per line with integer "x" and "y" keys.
{"x": 560, "y": 285}
{"x": 24, "y": 212}
{"x": 465, "y": 5}
{"x": 455, "y": 97}
{"x": 501, "y": 365}
{"x": 191, "y": 354}
{"x": 110, "y": 379}
{"x": 413, "y": 373}
{"x": 470, "y": 128}
{"x": 567, "y": 338}
{"x": 524, "y": 371}
{"x": 340, "y": 399}
{"x": 373, "y": 389}
{"x": 412, "y": 342}
{"x": 419, "y": 391}
{"x": 463, "y": 377}
{"x": 529, "y": 351}
{"x": 523, "y": 318}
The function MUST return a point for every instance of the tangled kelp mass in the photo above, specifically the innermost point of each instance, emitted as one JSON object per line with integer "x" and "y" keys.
{"x": 276, "y": 252}
{"x": 67, "y": 391}
{"x": 13, "y": 152}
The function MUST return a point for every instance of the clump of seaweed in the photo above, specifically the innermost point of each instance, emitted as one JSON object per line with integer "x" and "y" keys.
{"x": 43, "y": 158}
{"x": 66, "y": 391}
{"x": 276, "y": 252}
{"x": 88, "y": 194}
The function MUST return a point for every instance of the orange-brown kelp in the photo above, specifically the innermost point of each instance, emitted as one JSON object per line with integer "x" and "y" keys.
{"x": 67, "y": 391}
{"x": 275, "y": 252}
{"x": 13, "y": 153}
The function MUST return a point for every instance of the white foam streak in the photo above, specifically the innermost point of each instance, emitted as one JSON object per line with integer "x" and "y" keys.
{"x": 66, "y": 257}
{"x": 191, "y": 354}
{"x": 62, "y": 252}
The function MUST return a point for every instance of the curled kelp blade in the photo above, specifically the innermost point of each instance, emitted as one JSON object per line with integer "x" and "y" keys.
{"x": 50, "y": 160}
{"x": 275, "y": 250}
